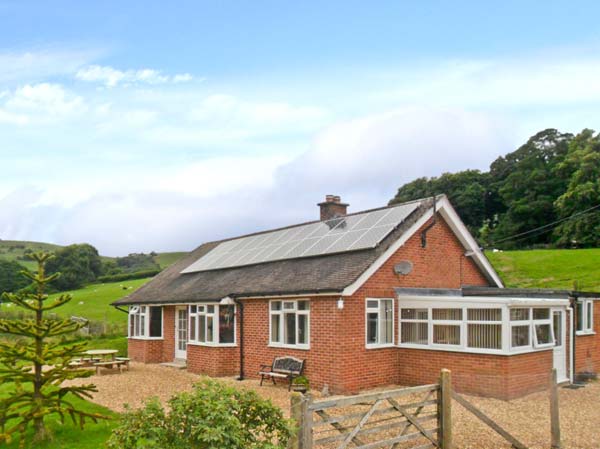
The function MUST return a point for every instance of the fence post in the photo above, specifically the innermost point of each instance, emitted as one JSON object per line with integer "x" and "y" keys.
{"x": 554, "y": 416}
{"x": 296, "y": 415}
{"x": 445, "y": 410}
{"x": 306, "y": 439}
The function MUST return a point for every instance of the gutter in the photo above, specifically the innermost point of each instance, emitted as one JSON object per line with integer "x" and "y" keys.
{"x": 241, "y": 309}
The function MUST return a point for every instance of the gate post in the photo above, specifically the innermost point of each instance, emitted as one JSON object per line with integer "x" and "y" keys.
{"x": 296, "y": 415}
{"x": 445, "y": 410}
{"x": 306, "y": 439}
{"x": 554, "y": 416}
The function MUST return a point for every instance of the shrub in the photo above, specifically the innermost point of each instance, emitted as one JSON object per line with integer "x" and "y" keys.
{"x": 212, "y": 416}
{"x": 128, "y": 276}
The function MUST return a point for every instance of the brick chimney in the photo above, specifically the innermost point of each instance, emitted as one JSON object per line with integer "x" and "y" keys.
{"x": 332, "y": 207}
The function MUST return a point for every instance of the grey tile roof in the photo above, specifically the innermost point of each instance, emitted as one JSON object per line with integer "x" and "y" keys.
{"x": 328, "y": 273}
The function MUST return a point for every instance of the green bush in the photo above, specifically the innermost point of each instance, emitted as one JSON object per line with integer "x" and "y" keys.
{"x": 213, "y": 416}
{"x": 128, "y": 276}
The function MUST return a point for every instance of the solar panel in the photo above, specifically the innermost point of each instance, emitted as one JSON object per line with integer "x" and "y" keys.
{"x": 349, "y": 233}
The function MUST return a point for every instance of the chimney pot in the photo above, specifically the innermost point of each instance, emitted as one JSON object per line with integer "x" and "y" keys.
{"x": 332, "y": 207}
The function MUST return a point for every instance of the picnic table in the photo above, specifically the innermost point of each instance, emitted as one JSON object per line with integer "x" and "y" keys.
{"x": 102, "y": 358}
{"x": 104, "y": 354}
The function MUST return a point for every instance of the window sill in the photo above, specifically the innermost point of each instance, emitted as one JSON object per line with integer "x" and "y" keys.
{"x": 584, "y": 333}
{"x": 212, "y": 345}
{"x": 388, "y": 345}
{"x": 145, "y": 338}
{"x": 301, "y": 348}
{"x": 515, "y": 351}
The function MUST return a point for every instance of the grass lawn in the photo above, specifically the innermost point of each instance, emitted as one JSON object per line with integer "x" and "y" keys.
{"x": 15, "y": 249}
{"x": 93, "y": 301}
{"x": 549, "y": 268}
{"x": 68, "y": 435}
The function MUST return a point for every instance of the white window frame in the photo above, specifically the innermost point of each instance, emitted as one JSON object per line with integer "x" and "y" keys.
{"x": 521, "y": 323}
{"x": 588, "y": 324}
{"x": 379, "y": 323}
{"x": 281, "y": 313}
{"x": 545, "y": 321}
{"x": 457, "y": 323}
{"x": 413, "y": 320}
{"x": 141, "y": 313}
{"x": 202, "y": 310}
{"x": 475, "y": 302}
{"x": 483, "y": 322}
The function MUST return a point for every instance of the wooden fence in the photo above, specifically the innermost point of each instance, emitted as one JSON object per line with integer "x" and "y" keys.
{"x": 416, "y": 417}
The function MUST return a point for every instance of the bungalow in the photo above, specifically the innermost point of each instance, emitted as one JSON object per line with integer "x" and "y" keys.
{"x": 384, "y": 296}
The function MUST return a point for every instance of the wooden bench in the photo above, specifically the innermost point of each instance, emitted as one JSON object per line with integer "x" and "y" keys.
{"x": 108, "y": 364}
{"x": 283, "y": 368}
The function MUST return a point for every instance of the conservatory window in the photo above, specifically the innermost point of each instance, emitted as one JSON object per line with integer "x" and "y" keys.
{"x": 446, "y": 326}
{"x": 543, "y": 332}
{"x": 520, "y": 326}
{"x": 380, "y": 322}
{"x": 484, "y": 328}
{"x": 414, "y": 326}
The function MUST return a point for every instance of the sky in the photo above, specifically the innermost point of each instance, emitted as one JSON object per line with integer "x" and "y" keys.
{"x": 156, "y": 126}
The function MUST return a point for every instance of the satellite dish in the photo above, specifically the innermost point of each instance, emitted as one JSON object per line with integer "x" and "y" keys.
{"x": 403, "y": 267}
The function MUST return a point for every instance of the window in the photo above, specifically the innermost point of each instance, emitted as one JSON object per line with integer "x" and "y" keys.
{"x": 380, "y": 322}
{"x": 520, "y": 328}
{"x": 145, "y": 322}
{"x": 414, "y": 326}
{"x": 446, "y": 326}
{"x": 212, "y": 324}
{"x": 585, "y": 316}
{"x": 543, "y": 332}
{"x": 289, "y": 323}
{"x": 484, "y": 328}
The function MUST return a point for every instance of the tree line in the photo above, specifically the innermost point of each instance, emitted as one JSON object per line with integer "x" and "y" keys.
{"x": 80, "y": 264}
{"x": 546, "y": 193}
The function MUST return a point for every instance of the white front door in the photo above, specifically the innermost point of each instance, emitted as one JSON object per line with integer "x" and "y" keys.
{"x": 181, "y": 332}
{"x": 560, "y": 352}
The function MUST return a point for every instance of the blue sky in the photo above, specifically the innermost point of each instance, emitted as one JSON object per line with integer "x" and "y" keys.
{"x": 155, "y": 126}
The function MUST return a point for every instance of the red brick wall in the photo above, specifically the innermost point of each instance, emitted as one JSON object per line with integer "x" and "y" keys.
{"x": 145, "y": 351}
{"x": 324, "y": 340}
{"x": 587, "y": 347}
{"x": 213, "y": 360}
{"x": 501, "y": 376}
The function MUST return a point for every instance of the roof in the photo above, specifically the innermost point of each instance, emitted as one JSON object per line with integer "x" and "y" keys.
{"x": 329, "y": 273}
{"x": 336, "y": 274}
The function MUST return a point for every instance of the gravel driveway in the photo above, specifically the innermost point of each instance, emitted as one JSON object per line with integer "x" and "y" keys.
{"x": 526, "y": 418}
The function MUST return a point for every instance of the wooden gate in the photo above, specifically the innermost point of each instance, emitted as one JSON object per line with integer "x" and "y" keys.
{"x": 416, "y": 417}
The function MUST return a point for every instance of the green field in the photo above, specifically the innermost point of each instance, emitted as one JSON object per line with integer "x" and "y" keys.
{"x": 93, "y": 301}
{"x": 166, "y": 259}
{"x": 549, "y": 268}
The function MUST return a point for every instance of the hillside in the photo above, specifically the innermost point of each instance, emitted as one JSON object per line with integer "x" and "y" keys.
{"x": 15, "y": 250}
{"x": 551, "y": 268}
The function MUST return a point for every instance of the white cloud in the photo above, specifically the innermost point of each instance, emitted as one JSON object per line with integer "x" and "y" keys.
{"x": 178, "y": 207}
{"x": 44, "y": 98}
{"x": 500, "y": 83}
{"x": 31, "y": 66}
{"x": 112, "y": 77}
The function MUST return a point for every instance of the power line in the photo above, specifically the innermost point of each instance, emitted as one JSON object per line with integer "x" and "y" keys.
{"x": 570, "y": 217}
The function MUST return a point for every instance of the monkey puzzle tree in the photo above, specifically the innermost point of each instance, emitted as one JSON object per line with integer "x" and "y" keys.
{"x": 36, "y": 364}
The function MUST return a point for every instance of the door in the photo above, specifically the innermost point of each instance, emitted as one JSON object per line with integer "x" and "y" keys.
{"x": 560, "y": 353}
{"x": 181, "y": 332}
